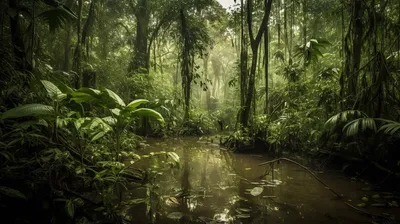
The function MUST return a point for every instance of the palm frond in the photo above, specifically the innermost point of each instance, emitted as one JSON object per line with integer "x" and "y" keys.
{"x": 345, "y": 116}
{"x": 56, "y": 18}
{"x": 359, "y": 125}
{"x": 391, "y": 127}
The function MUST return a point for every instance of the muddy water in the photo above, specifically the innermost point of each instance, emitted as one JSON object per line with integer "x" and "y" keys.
{"x": 215, "y": 186}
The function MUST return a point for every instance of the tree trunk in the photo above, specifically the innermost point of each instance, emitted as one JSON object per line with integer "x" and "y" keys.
{"x": 141, "y": 58}
{"x": 353, "y": 43}
{"x": 255, "y": 42}
{"x": 78, "y": 51}
{"x": 266, "y": 53}
{"x": 186, "y": 66}
{"x": 17, "y": 40}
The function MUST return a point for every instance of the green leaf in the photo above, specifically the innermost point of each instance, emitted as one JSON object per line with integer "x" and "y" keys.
{"x": 28, "y": 110}
{"x": 146, "y": 112}
{"x": 80, "y": 97}
{"x": 11, "y": 192}
{"x": 80, "y": 170}
{"x": 134, "y": 104}
{"x": 115, "y": 97}
{"x": 70, "y": 208}
{"x": 86, "y": 95}
{"x": 110, "y": 120}
{"x": 53, "y": 91}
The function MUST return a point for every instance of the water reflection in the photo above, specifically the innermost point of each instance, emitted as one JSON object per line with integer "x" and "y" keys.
{"x": 214, "y": 186}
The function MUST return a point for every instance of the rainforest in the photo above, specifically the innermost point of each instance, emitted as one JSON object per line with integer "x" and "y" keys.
{"x": 199, "y": 111}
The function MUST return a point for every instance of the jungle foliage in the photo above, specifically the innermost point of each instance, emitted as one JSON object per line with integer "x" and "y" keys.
{"x": 280, "y": 75}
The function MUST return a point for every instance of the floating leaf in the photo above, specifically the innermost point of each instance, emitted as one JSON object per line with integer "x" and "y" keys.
{"x": 361, "y": 205}
{"x": 240, "y": 210}
{"x": 376, "y": 196}
{"x": 256, "y": 191}
{"x": 364, "y": 198}
{"x": 175, "y": 215}
{"x": 243, "y": 216}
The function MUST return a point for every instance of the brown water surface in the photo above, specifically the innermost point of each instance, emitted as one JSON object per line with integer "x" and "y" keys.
{"x": 216, "y": 186}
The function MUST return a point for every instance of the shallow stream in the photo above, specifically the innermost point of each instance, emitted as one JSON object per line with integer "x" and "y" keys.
{"x": 215, "y": 186}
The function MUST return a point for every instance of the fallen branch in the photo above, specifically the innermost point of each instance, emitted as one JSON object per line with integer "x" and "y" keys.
{"x": 308, "y": 170}
{"x": 366, "y": 213}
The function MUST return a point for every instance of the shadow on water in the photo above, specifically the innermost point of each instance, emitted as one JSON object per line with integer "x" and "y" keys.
{"x": 216, "y": 186}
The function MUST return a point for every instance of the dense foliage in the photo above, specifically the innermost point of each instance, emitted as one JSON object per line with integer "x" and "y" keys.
{"x": 283, "y": 75}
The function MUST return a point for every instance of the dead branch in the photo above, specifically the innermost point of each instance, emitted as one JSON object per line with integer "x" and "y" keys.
{"x": 305, "y": 168}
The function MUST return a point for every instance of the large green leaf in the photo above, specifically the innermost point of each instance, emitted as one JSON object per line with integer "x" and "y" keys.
{"x": 53, "y": 91}
{"x": 115, "y": 97}
{"x": 37, "y": 110}
{"x": 86, "y": 95}
{"x": 146, "y": 112}
{"x": 98, "y": 128}
{"x": 134, "y": 104}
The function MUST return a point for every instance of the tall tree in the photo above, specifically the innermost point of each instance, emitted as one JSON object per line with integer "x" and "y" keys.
{"x": 254, "y": 44}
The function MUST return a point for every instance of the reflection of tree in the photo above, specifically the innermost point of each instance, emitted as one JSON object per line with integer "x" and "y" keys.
{"x": 185, "y": 185}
